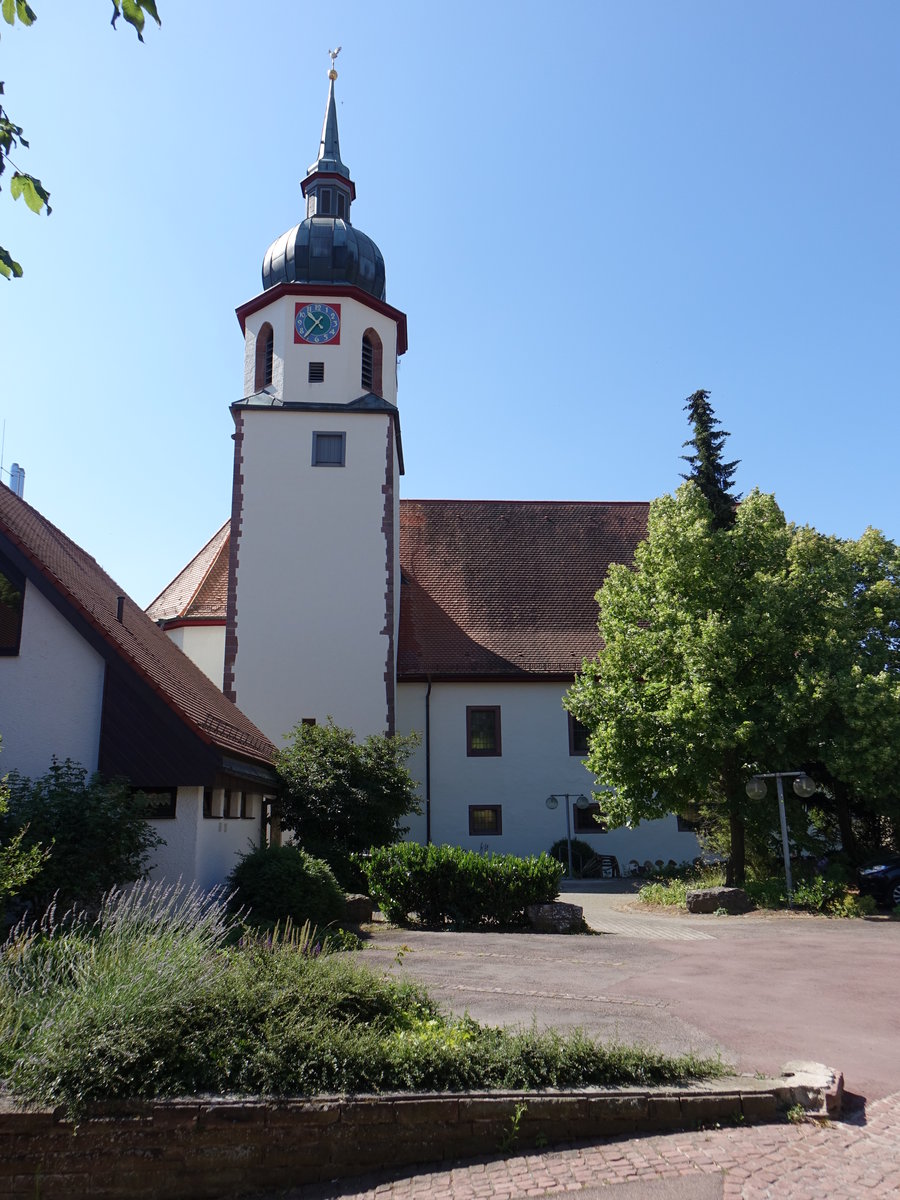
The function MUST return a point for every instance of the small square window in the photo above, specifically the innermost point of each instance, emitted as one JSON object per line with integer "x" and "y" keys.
{"x": 329, "y": 449}
{"x": 483, "y": 731}
{"x": 589, "y": 820}
{"x": 307, "y": 720}
{"x": 686, "y": 825}
{"x": 485, "y": 819}
{"x": 578, "y": 738}
{"x": 162, "y": 803}
{"x": 316, "y": 372}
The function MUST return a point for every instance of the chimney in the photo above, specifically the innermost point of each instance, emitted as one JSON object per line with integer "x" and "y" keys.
{"x": 17, "y": 480}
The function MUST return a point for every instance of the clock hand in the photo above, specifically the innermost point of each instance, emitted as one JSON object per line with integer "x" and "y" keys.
{"x": 317, "y": 321}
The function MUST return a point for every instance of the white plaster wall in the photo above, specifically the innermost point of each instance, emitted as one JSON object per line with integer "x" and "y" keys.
{"x": 51, "y": 693}
{"x": 177, "y": 859}
{"x": 205, "y": 646}
{"x": 534, "y": 764}
{"x": 200, "y": 849}
{"x": 220, "y": 840}
{"x": 290, "y": 363}
{"x": 312, "y": 574}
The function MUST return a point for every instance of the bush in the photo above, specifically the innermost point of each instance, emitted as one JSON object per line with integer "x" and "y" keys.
{"x": 153, "y": 999}
{"x": 446, "y": 883}
{"x": 284, "y": 883}
{"x": 582, "y": 853}
{"x": 340, "y": 796}
{"x": 94, "y": 832}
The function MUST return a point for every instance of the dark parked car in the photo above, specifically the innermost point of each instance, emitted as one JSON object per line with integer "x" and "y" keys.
{"x": 881, "y": 879}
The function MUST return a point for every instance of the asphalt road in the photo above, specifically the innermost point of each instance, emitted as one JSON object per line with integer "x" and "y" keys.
{"x": 759, "y": 989}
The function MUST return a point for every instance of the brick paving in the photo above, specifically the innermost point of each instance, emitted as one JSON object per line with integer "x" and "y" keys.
{"x": 853, "y": 1159}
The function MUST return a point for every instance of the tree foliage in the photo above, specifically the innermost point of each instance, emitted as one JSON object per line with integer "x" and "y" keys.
{"x": 96, "y": 832}
{"x": 712, "y": 476}
{"x": 340, "y": 796}
{"x": 731, "y": 650}
{"x": 18, "y": 862}
{"x": 29, "y": 187}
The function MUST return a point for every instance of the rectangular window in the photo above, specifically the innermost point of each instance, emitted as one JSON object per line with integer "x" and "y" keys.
{"x": 329, "y": 449}
{"x": 578, "y": 738}
{"x": 325, "y": 201}
{"x": 485, "y": 819}
{"x": 367, "y": 371}
{"x": 12, "y": 595}
{"x": 316, "y": 372}
{"x": 483, "y": 731}
{"x": 248, "y": 807}
{"x": 162, "y": 803}
{"x": 589, "y": 820}
{"x": 307, "y": 720}
{"x": 233, "y": 801}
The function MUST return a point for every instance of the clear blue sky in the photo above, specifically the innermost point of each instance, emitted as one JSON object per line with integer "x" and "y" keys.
{"x": 588, "y": 210}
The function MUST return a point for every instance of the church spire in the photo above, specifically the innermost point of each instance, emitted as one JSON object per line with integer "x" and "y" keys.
{"x": 328, "y": 187}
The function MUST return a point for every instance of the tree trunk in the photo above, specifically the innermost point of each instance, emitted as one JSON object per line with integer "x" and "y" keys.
{"x": 735, "y": 871}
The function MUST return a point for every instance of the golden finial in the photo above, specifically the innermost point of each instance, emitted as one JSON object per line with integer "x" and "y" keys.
{"x": 332, "y": 74}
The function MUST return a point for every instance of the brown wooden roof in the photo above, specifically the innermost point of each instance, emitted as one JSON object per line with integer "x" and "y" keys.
{"x": 89, "y": 597}
{"x": 492, "y": 587}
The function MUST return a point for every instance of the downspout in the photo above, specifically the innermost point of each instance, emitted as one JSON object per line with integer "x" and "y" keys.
{"x": 428, "y": 765}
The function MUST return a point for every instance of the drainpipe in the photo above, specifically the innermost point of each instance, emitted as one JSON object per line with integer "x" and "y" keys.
{"x": 428, "y": 765}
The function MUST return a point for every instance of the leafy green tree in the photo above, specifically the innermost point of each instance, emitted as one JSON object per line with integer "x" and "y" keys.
{"x": 712, "y": 476}
{"x": 18, "y": 863}
{"x": 340, "y": 796}
{"x": 688, "y": 696}
{"x": 96, "y": 831}
{"x": 22, "y": 184}
{"x": 848, "y": 700}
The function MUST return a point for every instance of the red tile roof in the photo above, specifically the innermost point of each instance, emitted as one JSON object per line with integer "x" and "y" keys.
{"x": 200, "y": 591}
{"x": 492, "y": 587}
{"x": 506, "y": 587}
{"x": 148, "y": 651}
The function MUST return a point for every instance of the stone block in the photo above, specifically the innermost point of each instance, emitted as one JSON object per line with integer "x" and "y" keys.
{"x": 358, "y": 909}
{"x": 759, "y": 1106}
{"x": 710, "y": 900}
{"x": 555, "y": 917}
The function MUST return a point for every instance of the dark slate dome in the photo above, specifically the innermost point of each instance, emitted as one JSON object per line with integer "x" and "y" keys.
{"x": 325, "y": 250}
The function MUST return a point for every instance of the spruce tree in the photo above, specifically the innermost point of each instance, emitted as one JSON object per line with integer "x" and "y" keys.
{"x": 713, "y": 477}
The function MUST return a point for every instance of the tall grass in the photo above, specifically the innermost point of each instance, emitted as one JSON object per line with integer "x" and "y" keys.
{"x": 157, "y": 996}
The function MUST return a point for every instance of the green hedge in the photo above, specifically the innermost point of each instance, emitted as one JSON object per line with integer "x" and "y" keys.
{"x": 446, "y": 883}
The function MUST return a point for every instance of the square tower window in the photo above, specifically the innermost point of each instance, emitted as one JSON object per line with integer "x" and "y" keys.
{"x": 329, "y": 449}
{"x": 316, "y": 372}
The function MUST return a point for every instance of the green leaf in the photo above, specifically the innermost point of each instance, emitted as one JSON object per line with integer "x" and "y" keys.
{"x": 18, "y": 8}
{"x": 8, "y": 265}
{"x": 9, "y": 11}
{"x": 36, "y": 195}
{"x": 133, "y": 11}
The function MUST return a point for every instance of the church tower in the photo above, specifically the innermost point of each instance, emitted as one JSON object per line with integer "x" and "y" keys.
{"x": 314, "y": 576}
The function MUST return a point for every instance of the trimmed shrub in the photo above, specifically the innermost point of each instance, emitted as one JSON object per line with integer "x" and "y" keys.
{"x": 443, "y": 884}
{"x": 582, "y": 853}
{"x": 284, "y": 883}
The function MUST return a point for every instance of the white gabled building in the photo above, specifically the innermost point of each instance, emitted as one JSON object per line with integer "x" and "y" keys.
{"x": 328, "y": 596}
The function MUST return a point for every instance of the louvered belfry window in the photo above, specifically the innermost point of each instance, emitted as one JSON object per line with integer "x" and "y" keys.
{"x": 268, "y": 353}
{"x": 367, "y": 363}
{"x": 316, "y": 372}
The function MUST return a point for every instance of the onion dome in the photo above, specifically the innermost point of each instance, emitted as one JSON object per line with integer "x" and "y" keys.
{"x": 325, "y": 248}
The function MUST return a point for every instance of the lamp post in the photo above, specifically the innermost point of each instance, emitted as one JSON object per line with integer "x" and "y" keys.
{"x": 804, "y": 787}
{"x": 581, "y": 802}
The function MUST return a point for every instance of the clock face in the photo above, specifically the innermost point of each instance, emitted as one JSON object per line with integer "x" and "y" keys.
{"x": 317, "y": 324}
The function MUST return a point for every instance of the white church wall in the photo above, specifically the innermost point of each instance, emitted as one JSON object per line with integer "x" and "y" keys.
{"x": 51, "y": 693}
{"x": 342, "y": 359}
{"x": 205, "y": 647}
{"x": 312, "y": 573}
{"x": 221, "y": 840}
{"x": 534, "y": 763}
{"x": 177, "y": 859}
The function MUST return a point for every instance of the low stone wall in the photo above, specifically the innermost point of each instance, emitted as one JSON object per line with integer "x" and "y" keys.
{"x": 193, "y": 1149}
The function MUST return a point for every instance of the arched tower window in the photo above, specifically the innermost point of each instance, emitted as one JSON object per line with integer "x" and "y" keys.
{"x": 265, "y": 350}
{"x": 372, "y": 355}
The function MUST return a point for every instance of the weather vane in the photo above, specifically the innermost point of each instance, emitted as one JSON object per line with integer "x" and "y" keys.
{"x": 332, "y": 74}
